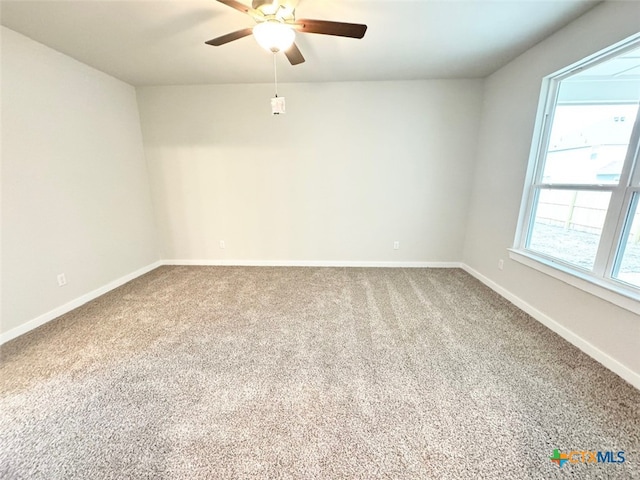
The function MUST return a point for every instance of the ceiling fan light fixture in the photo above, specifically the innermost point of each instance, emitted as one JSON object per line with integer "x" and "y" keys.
{"x": 274, "y": 36}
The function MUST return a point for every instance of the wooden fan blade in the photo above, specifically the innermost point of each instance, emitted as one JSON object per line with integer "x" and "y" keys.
{"x": 324, "y": 27}
{"x": 237, "y": 5}
{"x": 293, "y": 55}
{"x": 229, "y": 37}
{"x": 243, "y": 8}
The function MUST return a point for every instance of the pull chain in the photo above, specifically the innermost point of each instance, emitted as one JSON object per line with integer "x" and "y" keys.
{"x": 277, "y": 103}
{"x": 275, "y": 73}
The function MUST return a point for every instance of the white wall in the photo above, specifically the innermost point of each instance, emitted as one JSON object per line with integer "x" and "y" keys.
{"x": 510, "y": 104}
{"x": 350, "y": 168}
{"x": 75, "y": 194}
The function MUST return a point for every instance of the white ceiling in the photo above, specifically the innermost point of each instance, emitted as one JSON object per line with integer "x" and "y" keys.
{"x": 148, "y": 42}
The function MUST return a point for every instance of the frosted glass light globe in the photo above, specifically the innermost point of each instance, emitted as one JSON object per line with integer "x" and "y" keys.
{"x": 274, "y": 36}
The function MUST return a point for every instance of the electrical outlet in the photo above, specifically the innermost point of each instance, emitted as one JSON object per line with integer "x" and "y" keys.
{"x": 500, "y": 264}
{"x": 222, "y": 244}
{"x": 62, "y": 280}
{"x": 396, "y": 245}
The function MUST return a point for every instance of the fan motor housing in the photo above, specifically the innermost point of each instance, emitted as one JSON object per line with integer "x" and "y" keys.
{"x": 279, "y": 10}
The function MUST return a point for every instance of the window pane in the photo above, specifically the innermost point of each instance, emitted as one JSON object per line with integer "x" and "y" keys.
{"x": 568, "y": 225}
{"x": 588, "y": 143}
{"x": 628, "y": 268}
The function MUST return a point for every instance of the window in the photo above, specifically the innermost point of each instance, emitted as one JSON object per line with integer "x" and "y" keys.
{"x": 581, "y": 206}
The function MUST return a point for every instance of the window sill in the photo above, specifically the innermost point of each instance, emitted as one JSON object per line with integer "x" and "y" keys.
{"x": 607, "y": 290}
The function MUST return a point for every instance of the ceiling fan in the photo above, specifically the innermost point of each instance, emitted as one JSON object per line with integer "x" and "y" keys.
{"x": 277, "y": 24}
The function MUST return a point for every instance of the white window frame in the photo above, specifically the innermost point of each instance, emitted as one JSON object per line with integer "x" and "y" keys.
{"x": 598, "y": 281}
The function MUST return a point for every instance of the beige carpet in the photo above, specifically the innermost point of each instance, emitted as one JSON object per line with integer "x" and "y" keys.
{"x": 310, "y": 373}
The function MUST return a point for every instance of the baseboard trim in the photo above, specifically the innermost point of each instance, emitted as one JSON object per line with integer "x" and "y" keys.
{"x": 75, "y": 303}
{"x": 310, "y": 263}
{"x": 607, "y": 361}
